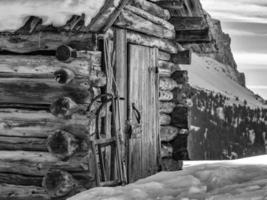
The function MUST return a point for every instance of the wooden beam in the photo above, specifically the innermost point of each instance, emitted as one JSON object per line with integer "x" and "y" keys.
{"x": 20, "y": 143}
{"x": 167, "y": 84}
{"x": 164, "y": 56}
{"x": 142, "y": 39}
{"x": 22, "y": 192}
{"x": 164, "y": 119}
{"x": 165, "y": 96}
{"x": 182, "y": 57}
{"x": 44, "y": 41}
{"x": 189, "y": 23}
{"x": 106, "y": 16}
{"x": 179, "y": 117}
{"x": 38, "y": 163}
{"x": 168, "y": 133}
{"x": 131, "y": 21}
{"x": 166, "y": 107}
{"x": 150, "y": 17}
{"x": 202, "y": 36}
{"x": 173, "y": 6}
{"x": 152, "y": 8}
{"x": 36, "y": 91}
{"x": 36, "y": 124}
{"x": 180, "y": 76}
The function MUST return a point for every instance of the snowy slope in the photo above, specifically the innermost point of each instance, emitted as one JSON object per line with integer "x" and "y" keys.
{"x": 208, "y": 74}
{"x": 244, "y": 179}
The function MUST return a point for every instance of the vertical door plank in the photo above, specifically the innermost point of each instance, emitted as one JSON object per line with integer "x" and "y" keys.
{"x": 121, "y": 73}
{"x": 143, "y": 92}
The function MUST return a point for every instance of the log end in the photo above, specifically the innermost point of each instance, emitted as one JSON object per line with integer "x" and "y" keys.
{"x": 58, "y": 183}
{"x": 63, "y": 107}
{"x": 65, "y": 53}
{"x": 64, "y": 76}
{"x": 62, "y": 144}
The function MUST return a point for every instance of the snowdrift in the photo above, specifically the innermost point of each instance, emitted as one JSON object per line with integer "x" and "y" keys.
{"x": 244, "y": 179}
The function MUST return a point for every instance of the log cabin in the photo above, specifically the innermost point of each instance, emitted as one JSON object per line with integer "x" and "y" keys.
{"x": 91, "y": 94}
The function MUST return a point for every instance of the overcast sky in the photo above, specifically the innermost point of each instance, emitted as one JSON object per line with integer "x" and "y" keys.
{"x": 246, "y": 22}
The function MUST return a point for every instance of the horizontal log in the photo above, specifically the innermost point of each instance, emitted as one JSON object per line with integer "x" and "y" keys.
{"x": 152, "y": 8}
{"x": 131, "y": 21}
{"x": 17, "y": 179}
{"x": 42, "y": 91}
{"x": 164, "y": 56}
{"x": 49, "y": 64}
{"x": 58, "y": 183}
{"x": 189, "y": 23}
{"x": 165, "y": 96}
{"x": 165, "y": 72}
{"x": 166, "y": 107}
{"x": 62, "y": 144}
{"x": 193, "y": 36}
{"x": 167, "y": 84}
{"x": 168, "y": 65}
{"x": 170, "y": 4}
{"x": 182, "y": 57}
{"x": 39, "y": 163}
{"x": 164, "y": 119}
{"x": 18, "y": 192}
{"x": 179, "y": 117}
{"x": 166, "y": 151}
{"x": 83, "y": 178}
{"x": 149, "y": 17}
{"x": 142, "y": 39}
{"x": 87, "y": 67}
{"x": 44, "y": 41}
{"x": 101, "y": 21}
{"x": 168, "y": 133}
{"x": 19, "y": 143}
{"x": 180, "y": 76}
{"x": 180, "y": 96}
{"x": 35, "y": 124}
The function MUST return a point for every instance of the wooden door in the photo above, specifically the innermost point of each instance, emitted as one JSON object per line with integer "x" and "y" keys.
{"x": 143, "y": 112}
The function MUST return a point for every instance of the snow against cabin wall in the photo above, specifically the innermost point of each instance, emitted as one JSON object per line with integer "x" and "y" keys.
{"x": 14, "y": 13}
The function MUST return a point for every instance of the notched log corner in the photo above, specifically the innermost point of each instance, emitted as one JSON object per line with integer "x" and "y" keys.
{"x": 62, "y": 144}
{"x": 58, "y": 183}
{"x": 64, "y": 108}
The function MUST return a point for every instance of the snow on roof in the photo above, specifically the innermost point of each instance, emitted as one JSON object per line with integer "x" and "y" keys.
{"x": 14, "y": 13}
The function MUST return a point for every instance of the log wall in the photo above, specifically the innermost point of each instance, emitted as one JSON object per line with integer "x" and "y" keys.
{"x": 45, "y": 126}
{"x": 44, "y": 121}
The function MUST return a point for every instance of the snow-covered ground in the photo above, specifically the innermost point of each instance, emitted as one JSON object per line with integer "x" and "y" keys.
{"x": 244, "y": 179}
{"x": 208, "y": 74}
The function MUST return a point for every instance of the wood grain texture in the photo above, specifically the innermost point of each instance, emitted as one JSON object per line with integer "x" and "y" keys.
{"x": 41, "y": 91}
{"x": 142, "y": 39}
{"x": 134, "y": 22}
{"x": 152, "y": 8}
{"x": 38, "y": 163}
{"x": 189, "y": 23}
{"x": 18, "y": 192}
{"x": 44, "y": 41}
{"x": 149, "y": 17}
{"x": 182, "y": 57}
{"x": 144, "y": 95}
{"x": 34, "y": 124}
